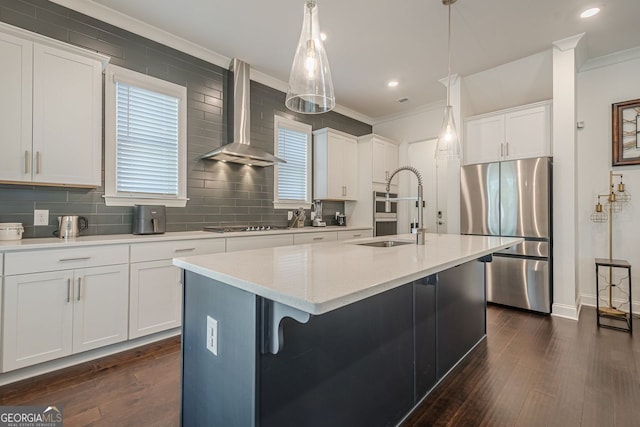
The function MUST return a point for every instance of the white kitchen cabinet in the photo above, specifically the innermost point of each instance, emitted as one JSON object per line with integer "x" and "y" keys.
{"x": 15, "y": 107}
{"x": 335, "y": 165}
{"x": 354, "y": 234}
{"x": 385, "y": 159}
{"x": 317, "y": 237}
{"x": 55, "y": 314}
{"x": 155, "y": 298}
{"x": 50, "y": 111}
{"x": 258, "y": 242}
{"x": 512, "y": 134}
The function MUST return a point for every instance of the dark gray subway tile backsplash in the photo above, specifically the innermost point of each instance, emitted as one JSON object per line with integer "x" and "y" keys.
{"x": 220, "y": 193}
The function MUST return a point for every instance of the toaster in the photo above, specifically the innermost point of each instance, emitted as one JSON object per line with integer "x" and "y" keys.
{"x": 149, "y": 219}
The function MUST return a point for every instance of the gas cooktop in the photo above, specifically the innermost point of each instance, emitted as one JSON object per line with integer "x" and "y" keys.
{"x": 233, "y": 229}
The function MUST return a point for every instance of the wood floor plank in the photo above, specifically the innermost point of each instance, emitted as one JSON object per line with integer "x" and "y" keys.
{"x": 532, "y": 370}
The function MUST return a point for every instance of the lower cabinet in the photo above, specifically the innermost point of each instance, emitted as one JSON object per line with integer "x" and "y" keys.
{"x": 156, "y": 298}
{"x": 55, "y": 314}
{"x": 155, "y": 284}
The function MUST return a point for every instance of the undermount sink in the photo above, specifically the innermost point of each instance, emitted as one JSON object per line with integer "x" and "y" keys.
{"x": 386, "y": 243}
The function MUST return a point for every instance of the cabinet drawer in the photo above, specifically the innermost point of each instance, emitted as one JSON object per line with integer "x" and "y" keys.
{"x": 165, "y": 250}
{"x": 258, "y": 242}
{"x": 322, "y": 236}
{"x": 63, "y": 259}
{"x": 354, "y": 234}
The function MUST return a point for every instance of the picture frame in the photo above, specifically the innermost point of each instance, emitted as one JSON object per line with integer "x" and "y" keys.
{"x": 626, "y": 133}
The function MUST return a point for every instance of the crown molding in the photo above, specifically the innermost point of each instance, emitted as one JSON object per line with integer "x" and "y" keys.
{"x": 611, "y": 59}
{"x": 120, "y": 20}
{"x": 569, "y": 42}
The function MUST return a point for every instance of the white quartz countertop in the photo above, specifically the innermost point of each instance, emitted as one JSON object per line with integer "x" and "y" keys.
{"x": 114, "y": 239}
{"x": 317, "y": 278}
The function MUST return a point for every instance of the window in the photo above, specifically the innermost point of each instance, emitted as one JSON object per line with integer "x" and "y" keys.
{"x": 292, "y": 180}
{"x": 145, "y": 140}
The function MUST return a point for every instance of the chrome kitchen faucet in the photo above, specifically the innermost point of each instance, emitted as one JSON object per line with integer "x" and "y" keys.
{"x": 420, "y": 239}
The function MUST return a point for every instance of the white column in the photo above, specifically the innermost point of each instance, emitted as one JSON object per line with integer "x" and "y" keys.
{"x": 566, "y": 54}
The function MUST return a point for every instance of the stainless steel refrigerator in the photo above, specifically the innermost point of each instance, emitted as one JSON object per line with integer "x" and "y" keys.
{"x": 513, "y": 198}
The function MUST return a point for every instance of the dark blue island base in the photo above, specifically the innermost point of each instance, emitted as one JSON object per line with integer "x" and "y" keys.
{"x": 365, "y": 364}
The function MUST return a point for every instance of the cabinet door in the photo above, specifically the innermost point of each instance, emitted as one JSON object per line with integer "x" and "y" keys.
{"x": 527, "y": 133}
{"x": 67, "y": 117}
{"x": 15, "y": 108}
{"x": 350, "y": 168}
{"x": 37, "y": 318}
{"x": 391, "y": 158}
{"x": 335, "y": 167}
{"x": 155, "y": 302}
{"x": 380, "y": 171}
{"x": 101, "y": 306}
{"x": 484, "y": 140}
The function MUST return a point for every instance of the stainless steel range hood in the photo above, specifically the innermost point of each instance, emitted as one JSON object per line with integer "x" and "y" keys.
{"x": 240, "y": 149}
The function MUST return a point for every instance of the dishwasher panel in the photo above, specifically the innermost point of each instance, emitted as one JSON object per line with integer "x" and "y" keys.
{"x": 519, "y": 282}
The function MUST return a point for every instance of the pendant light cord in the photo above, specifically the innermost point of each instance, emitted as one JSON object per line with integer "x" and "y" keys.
{"x": 449, "y": 60}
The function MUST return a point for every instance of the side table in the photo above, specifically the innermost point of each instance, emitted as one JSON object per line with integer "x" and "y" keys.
{"x": 610, "y": 311}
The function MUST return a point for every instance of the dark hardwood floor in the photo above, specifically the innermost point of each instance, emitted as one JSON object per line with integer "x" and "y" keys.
{"x": 531, "y": 371}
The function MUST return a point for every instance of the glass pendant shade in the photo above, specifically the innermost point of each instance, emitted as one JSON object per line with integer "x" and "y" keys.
{"x": 448, "y": 146}
{"x": 310, "y": 86}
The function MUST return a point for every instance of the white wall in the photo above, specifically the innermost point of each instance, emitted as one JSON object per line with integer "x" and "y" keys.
{"x": 597, "y": 90}
{"x": 520, "y": 82}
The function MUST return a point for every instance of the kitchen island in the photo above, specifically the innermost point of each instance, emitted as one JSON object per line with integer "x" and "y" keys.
{"x": 335, "y": 333}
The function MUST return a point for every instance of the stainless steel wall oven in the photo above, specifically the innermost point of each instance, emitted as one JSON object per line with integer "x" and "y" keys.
{"x": 384, "y": 223}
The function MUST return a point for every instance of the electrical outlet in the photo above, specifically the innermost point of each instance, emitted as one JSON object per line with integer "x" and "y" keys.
{"x": 289, "y": 215}
{"x": 41, "y": 217}
{"x": 212, "y": 335}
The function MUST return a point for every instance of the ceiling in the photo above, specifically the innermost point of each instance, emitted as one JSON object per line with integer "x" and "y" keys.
{"x": 372, "y": 41}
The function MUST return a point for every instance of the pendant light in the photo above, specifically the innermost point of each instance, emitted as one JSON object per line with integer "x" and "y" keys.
{"x": 310, "y": 86}
{"x": 448, "y": 146}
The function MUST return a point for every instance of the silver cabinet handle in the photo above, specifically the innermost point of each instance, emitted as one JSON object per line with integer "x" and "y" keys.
{"x": 38, "y": 162}
{"x": 74, "y": 259}
{"x": 501, "y": 149}
{"x": 26, "y": 161}
{"x": 79, "y": 287}
{"x": 357, "y": 235}
{"x": 507, "y": 149}
{"x": 68, "y": 290}
{"x": 318, "y": 238}
{"x": 185, "y": 250}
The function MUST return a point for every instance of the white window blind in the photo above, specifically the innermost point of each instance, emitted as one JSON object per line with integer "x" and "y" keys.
{"x": 292, "y": 179}
{"x": 146, "y": 141}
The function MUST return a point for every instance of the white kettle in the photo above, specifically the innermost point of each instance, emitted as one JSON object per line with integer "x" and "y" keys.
{"x": 70, "y": 226}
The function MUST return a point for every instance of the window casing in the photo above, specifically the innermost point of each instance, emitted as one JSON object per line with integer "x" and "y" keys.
{"x": 292, "y": 180}
{"x": 145, "y": 140}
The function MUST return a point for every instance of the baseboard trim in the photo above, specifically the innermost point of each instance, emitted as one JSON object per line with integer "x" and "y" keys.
{"x": 590, "y": 301}
{"x": 567, "y": 311}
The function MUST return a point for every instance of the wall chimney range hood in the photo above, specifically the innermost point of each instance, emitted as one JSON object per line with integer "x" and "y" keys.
{"x": 240, "y": 149}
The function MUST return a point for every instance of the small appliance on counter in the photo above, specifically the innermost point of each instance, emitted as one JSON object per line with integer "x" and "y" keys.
{"x": 316, "y": 214}
{"x": 149, "y": 219}
{"x": 11, "y": 231}
{"x": 70, "y": 226}
{"x": 341, "y": 219}
{"x": 297, "y": 220}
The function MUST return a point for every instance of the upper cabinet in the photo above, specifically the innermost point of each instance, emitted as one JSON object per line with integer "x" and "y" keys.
{"x": 512, "y": 134}
{"x": 50, "y": 111}
{"x": 385, "y": 158}
{"x": 335, "y": 165}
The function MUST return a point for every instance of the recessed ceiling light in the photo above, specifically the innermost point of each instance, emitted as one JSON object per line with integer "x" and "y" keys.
{"x": 590, "y": 12}
{"x": 392, "y": 83}
{"x": 323, "y": 36}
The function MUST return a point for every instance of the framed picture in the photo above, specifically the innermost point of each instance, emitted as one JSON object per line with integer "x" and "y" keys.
{"x": 626, "y": 133}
